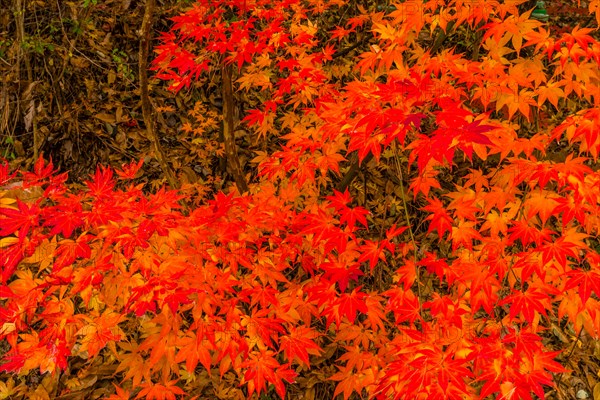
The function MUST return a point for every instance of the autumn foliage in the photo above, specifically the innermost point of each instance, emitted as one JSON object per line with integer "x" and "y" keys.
{"x": 449, "y": 285}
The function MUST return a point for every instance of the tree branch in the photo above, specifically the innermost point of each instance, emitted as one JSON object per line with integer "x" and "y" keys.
{"x": 145, "y": 97}
{"x": 229, "y": 131}
{"x": 352, "y": 172}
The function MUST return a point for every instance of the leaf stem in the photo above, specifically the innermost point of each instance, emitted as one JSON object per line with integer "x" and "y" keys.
{"x": 408, "y": 223}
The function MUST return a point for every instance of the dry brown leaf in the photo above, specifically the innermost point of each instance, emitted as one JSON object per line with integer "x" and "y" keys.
{"x": 104, "y": 117}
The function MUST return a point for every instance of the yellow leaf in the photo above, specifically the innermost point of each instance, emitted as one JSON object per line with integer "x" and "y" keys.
{"x": 8, "y": 241}
{"x": 7, "y": 389}
{"x": 6, "y": 201}
{"x": 7, "y": 328}
{"x": 596, "y": 392}
{"x": 44, "y": 254}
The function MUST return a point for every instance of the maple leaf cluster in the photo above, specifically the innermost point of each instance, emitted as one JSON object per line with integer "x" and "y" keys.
{"x": 453, "y": 298}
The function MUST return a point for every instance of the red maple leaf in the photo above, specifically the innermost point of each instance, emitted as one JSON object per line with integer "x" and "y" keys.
{"x": 21, "y": 220}
{"x": 440, "y": 219}
{"x": 527, "y": 302}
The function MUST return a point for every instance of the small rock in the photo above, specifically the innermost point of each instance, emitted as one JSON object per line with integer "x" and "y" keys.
{"x": 582, "y": 394}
